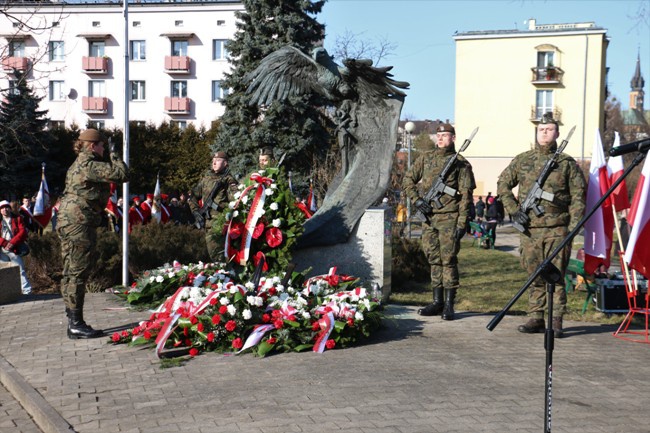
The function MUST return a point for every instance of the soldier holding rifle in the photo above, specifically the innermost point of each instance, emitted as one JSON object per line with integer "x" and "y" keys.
{"x": 440, "y": 184}
{"x": 550, "y": 204}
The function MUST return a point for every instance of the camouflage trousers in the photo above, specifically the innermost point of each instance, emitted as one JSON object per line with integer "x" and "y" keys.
{"x": 77, "y": 251}
{"x": 532, "y": 251}
{"x": 441, "y": 250}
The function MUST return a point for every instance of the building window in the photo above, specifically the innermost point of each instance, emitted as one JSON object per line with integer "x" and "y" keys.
{"x": 221, "y": 23}
{"x": 57, "y": 90}
{"x": 96, "y": 24}
{"x": 13, "y": 87}
{"x": 96, "y": 124}
{"x": 17, "y": 49}
{"x": 56, "y": 51}
{"x": 137, "y": 91}
{"x": 137, "y": 23}
{"x": 138, "y": 50}
{"x": 96, "y": 48}
{"x": 545, "y": 59}
{"x": 179, "y": 89}
{"x": 218, "y": 92}
{"x": 178, "y": 23}
{"x": 180, "y": 124}
{"x": 219, "y": 51}
{"x": 179, "y": 48}
{"x": 96, "y": 88}
{"x": 544, "y": 103}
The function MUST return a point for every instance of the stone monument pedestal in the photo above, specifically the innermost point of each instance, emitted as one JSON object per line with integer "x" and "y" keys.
{"x": 366, "y": 254}
{"x": 10, "y": 289}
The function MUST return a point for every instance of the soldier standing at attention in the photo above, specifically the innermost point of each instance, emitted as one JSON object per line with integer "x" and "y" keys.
{"x": 545, "y": 232}
{"x": 441, "y": 237}
{"x": 213, "y": 189}
{"x": 87, "y": 188}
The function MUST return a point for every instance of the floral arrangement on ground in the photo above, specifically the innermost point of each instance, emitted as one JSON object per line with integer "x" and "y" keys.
{"x": 211, "y": 309}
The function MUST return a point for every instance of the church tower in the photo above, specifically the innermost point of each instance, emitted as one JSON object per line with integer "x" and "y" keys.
{"x": 636, "y": 86}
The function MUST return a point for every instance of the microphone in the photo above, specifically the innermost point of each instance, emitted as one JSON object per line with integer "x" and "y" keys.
{"x": 636, "y": 146}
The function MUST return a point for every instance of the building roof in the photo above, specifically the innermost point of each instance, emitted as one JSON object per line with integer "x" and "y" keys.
{"x": 635, "y": 117}
{"x": 534, "y": 30}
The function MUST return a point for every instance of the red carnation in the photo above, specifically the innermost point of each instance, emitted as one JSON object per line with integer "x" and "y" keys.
{"x": 213, "y": 300}
{"x": 273, "y": 291}
{"x": 193, "y": 320}
{"x": 125, "y": 333}
{"x": 186, "y": 332}
{"x": 216, "y": 319}
{"x": 259, "y": 229}
{"x": 194, "y": 351}
{"x": 188, "y": 342}
{"x": 276, "y": 313}
{"x": 236, "y": 230}
{"x": 237, "y": 343}
{"x": 278, "y": 323}
{"x": 147, "y": 335}
{"x": 231, "y": 325}
{"x": 350, "y": 322}
{"x": 210, "y": 337}
{"x": 315, "y": 326}
{"x": 273, "y": 237}
{"x": 330, "y": 344}
{"x": 272, "y": 340}
{"x": 266, "y": 318}
{"x": 199, "y": 327}
{"x": 115, "y": 337}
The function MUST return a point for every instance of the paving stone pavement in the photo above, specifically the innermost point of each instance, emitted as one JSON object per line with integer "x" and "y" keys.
{"x": 416, "y": 375}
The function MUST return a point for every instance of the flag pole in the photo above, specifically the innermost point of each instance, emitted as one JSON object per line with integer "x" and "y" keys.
{"x": 125, "y": 186}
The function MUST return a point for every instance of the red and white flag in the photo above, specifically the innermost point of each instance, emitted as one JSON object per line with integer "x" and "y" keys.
{"x": 155, "y": 208}
{"x": 311, "y": 199}
{"x": 637, "y": 254}
{"x": 43, "y": 207}
{"x": 111, "y": 204}
{"x": 599, "y": 228}
{"x": 615, "y": 169}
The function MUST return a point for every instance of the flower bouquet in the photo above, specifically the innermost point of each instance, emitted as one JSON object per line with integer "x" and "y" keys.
{"x": 219, "y": 314}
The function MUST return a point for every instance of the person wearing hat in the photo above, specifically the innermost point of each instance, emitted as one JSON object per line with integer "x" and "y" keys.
{"x": 447, "y": 225}
{"x": 165, "y": 213}
{"x": 135, "y": 214}
{"x": 87, "y": 188}
{"x": 14, "y": 234}
{"x": 146, "y": 208}
{"x": 214, "y": 191}
{"x": 546, "y": 231}
{"x": 266, "y": 158}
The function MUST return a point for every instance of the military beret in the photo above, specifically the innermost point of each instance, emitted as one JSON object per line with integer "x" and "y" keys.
{"x": 548, "y": 118}
{"x": 445, "y": 127}
{"x": 221, "y": 154}
{"x": 91, "y": 135}
{"x": 266, "y": 151}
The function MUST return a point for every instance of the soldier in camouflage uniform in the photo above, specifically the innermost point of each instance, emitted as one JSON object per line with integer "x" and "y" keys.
{"x": 441, "y": 237}
{"x": 545, "y": 232}
{"x": 225, "y": 183}
{"x": 87, "y": 188}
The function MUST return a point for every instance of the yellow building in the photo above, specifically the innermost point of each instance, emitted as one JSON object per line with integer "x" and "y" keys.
{"x": 506, "y": 80}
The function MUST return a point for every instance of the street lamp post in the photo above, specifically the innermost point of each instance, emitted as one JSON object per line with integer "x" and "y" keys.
{"x": 409, "y": 127}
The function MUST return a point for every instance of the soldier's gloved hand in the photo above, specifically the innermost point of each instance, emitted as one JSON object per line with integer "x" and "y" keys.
{"x": 199, "y": 221}
{"x": 459, "y": 233}
{"x": 521, "y": 218}
{"x": 423, "y": 206}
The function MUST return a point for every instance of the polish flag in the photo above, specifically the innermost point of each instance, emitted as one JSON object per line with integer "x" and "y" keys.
{"x": 637, "y": 256}
{"x": 600, "y": 227}
{"x": 43, "y": 207}
{"x": 615, "y": 170}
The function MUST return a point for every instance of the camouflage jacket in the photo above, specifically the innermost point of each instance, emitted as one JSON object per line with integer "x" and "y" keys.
{"x": 565, "y": 181}
{"x": 425, "y": 170}
{"x": 222, "y": 195}
{"x": 87, "y": 188}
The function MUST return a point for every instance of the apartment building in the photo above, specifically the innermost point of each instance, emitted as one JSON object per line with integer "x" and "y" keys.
{"x": 76, "y": 55}
{"x": 507, "y": 79}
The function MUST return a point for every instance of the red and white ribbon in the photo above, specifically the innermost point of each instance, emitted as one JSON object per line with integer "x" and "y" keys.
{"x": 326, "y": 324}
{"x": 256, "y": 336}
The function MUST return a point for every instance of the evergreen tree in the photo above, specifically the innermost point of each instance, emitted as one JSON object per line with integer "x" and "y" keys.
{"x": 24, "y": 142}
{"x": 295, "y": 128}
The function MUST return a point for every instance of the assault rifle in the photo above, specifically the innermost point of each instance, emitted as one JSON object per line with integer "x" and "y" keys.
{"x": 537, "y": 193}
{"x": 203, "y": 213}
{"x": 439, "y": 187}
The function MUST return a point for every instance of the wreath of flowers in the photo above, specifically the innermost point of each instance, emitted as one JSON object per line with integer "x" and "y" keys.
{"x": 219, "y": 314}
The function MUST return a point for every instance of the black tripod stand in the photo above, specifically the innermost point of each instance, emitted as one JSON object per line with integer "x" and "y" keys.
{"x": 552, "y": 275}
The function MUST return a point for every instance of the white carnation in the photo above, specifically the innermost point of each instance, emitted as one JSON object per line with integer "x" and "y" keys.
{"x": 237, "y": 195}
{"x": 273, "y": 206}
{"x": 306, "y": 315}
{"x": 276, "y": 222}
{"x": 232, "y": 310}
{"x": 224, "y": 301}
{"x": 358, "y": 316}
{"x": 274, "y": 185}
{"x": 244, "y": 199}
{"x": 269, "y": 191}
{"x": 246, "y": 314}
{"x": 235, "y": 213}
{"x": 160, "y": 279}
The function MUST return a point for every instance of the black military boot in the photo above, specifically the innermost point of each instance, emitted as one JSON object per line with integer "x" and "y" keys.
{"x": 557, "y": 327}
{"x": 448, "y": 311}
{"x": 533, "y": 326}
{"x": 77, "y": 328}
{"x": 435, "y": 308}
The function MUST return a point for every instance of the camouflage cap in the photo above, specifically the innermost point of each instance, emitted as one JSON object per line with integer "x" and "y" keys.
{"x": 548, "y": 118}
{"x": 446, "y": 127}
{"x": 266, "y": 151}
{"x": 221, "y": 154}
{"x": 91, "y": 135}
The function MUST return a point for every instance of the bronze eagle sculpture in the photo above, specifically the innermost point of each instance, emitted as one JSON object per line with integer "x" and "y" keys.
{"x": 367, "y": 102}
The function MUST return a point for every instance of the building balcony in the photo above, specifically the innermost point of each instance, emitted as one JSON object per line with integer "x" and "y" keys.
{"x": 548, "y": 75}
{"x": 17, "y": 63}
{"x": 177, "y": 64}
{"x": 91, "y": 104}
{"x": 537, "y": 113}
{"x": 177, "y": 105}
{"x": 94, "y": 65}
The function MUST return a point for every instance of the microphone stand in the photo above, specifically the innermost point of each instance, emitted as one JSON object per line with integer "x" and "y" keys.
{"x": 552, "y": 275}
